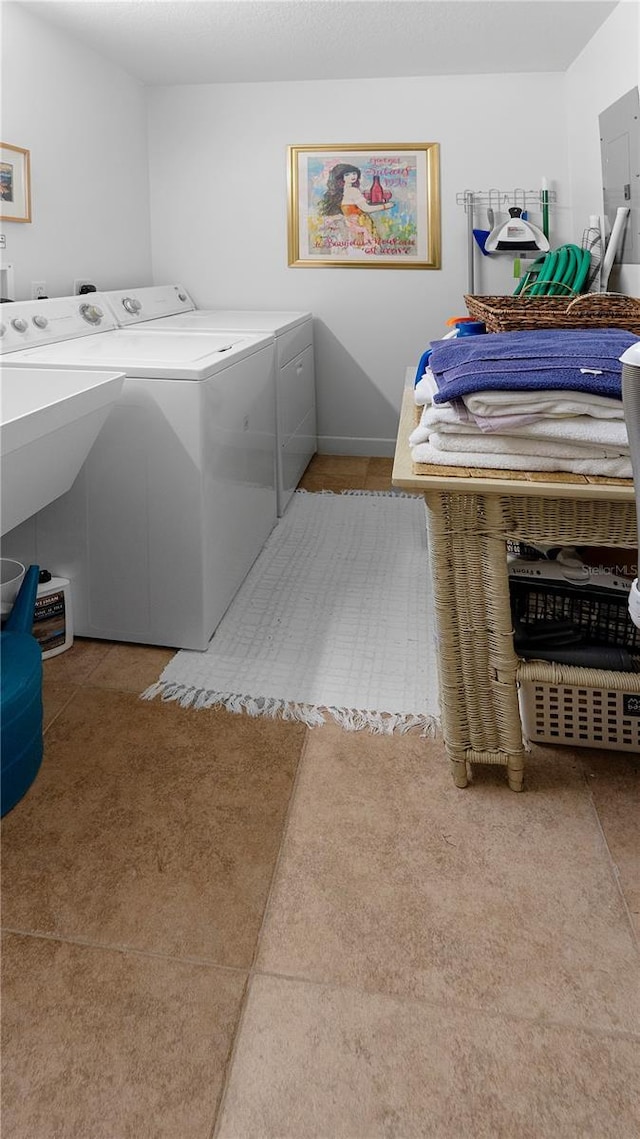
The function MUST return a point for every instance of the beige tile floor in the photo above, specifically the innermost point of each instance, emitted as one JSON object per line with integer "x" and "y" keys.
{"x": 216, "y": 927}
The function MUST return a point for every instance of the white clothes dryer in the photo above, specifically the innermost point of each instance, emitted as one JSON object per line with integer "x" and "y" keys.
{"x": 169, "y": 307}
{"x": 177, "y": 495}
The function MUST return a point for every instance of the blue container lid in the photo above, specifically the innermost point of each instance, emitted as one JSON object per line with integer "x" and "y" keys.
{"x": 471, "y": 327}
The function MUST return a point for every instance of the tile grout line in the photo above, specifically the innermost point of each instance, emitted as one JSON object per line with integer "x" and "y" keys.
{"x": 613, "y": 866}
{"x": 217, "y": 1119}
{"x": 231, "y": 1056}
{"x": 283, "y": 839}
{"x": 162, "y": 957}
{"x": 76, "y": 687}
{"x": 453, "y": 1006}
{"x": 108, "y": 649}
{"x": 156, "y": 955}
{"x": 60, "y": 711}
{"x": 107, "y": 653}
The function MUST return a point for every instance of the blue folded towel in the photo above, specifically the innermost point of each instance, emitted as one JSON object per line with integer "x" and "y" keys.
{"x": 547, "y": 358}
{"x": 537, "y": 379}
{"x": 480, "y": 367}
{"x": 596, "y": 343}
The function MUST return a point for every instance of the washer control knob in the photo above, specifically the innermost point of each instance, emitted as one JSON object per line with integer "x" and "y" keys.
{"x": 19, "y": 324}
{"x": 40, "y": 321}
{"x": 182, "y": 297}
{"x": 132, "y": 305}
{"x": 91, "y": 313}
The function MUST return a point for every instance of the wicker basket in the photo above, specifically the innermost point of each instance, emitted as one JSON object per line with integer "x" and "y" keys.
{"x": 591, "y": 310}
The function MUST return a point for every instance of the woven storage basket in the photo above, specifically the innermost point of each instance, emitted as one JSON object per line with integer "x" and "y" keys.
{"x": 591, "y": 310}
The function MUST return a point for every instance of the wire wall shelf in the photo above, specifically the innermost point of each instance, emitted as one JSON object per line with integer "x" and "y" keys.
{"x": 517, "y": 202}
{"x": 501, "y": 200}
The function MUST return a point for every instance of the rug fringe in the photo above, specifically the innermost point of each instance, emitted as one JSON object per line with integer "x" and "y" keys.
{"x": 350, "y": 719}
{"x": 381, "y": 493}
{"x": 362, "y": 493}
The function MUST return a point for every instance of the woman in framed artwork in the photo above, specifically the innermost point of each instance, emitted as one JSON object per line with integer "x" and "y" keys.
{"x": 343, "y": 198}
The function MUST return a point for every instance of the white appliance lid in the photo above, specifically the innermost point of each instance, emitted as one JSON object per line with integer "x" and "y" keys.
{"x": 233, "y": 320}
{"x": 171, "y": 356}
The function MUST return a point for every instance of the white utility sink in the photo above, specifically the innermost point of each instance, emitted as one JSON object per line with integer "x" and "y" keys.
{"x": 49, "y": 420}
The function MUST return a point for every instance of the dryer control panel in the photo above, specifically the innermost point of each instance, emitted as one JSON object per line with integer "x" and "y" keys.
{"x": 133, "y": 306}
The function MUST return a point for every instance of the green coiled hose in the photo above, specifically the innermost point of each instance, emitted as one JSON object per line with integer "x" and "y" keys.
{"x": 560, "y": 272}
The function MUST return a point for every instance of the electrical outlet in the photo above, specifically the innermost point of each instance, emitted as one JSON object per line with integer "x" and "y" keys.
{"x": 83, "y": 286}
{"x": 38, "y": 290}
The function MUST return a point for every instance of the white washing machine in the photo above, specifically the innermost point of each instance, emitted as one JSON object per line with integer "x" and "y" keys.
{"x": 177, "y": 496}
{"x": 168, "y": 307}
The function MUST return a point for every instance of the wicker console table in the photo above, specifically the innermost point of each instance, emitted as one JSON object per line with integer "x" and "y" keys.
{"x": 471, "y": 513}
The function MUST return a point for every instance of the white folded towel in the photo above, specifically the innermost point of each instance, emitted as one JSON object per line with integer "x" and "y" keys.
{"x": 579, "y": 430}
{"x": 421, "y": 393}
{"x": 435, "y": 418}
{"x": 506, "y": 412}
{"x": 597, "y": 436}
{"x": 425, "y": 388}
{"x": 511, "y": 445}
{"x": 609, "y": 468}
{"x": 544, "y": 402}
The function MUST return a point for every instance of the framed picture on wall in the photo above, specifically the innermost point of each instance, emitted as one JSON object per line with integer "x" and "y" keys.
{"x": 364, "y": 206}
{"x": 15, "y": 183}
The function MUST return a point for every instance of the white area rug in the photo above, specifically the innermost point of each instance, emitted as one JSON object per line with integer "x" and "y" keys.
{"x": 332, "y": 618}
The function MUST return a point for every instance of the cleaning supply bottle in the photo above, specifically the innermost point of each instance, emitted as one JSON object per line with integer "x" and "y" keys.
{"x": 463, "y": 326}
{"x": 470, "y": 328}
{"x": 52, "y": 617}
{"x": 422, "y": 365}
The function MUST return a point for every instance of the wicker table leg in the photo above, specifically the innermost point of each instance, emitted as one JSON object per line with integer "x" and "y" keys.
{"x": 476, "y": 660}
{"x": 515, "y": 772}
{"x": 513, "y": 763}
{"x": 458, "y": 770}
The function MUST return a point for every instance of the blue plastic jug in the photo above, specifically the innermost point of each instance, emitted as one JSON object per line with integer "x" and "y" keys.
{"x": 20, "y": 697}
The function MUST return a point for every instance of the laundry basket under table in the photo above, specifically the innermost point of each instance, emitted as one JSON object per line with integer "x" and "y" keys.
{"x": 471, "y": 514}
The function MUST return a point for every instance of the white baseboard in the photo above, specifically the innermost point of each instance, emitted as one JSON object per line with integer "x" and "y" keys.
{"x": 369, "y": 448}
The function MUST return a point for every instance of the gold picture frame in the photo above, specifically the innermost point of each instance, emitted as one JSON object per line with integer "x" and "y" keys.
{"x": 15, "y": 183}
{"x": 364, "y": 206}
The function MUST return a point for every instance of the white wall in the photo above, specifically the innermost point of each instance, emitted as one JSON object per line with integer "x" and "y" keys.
{"x": 607, "y": 68}
{"x": 219, "y": 214}
{"x": 218, "y": 191}
{"x": 84, "y": 121}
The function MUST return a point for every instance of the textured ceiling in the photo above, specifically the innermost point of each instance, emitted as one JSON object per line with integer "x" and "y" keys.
{"x": 227, "y": 41}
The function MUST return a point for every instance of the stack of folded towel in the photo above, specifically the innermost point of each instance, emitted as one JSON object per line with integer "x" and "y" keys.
{"x": 545, "y": 400}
